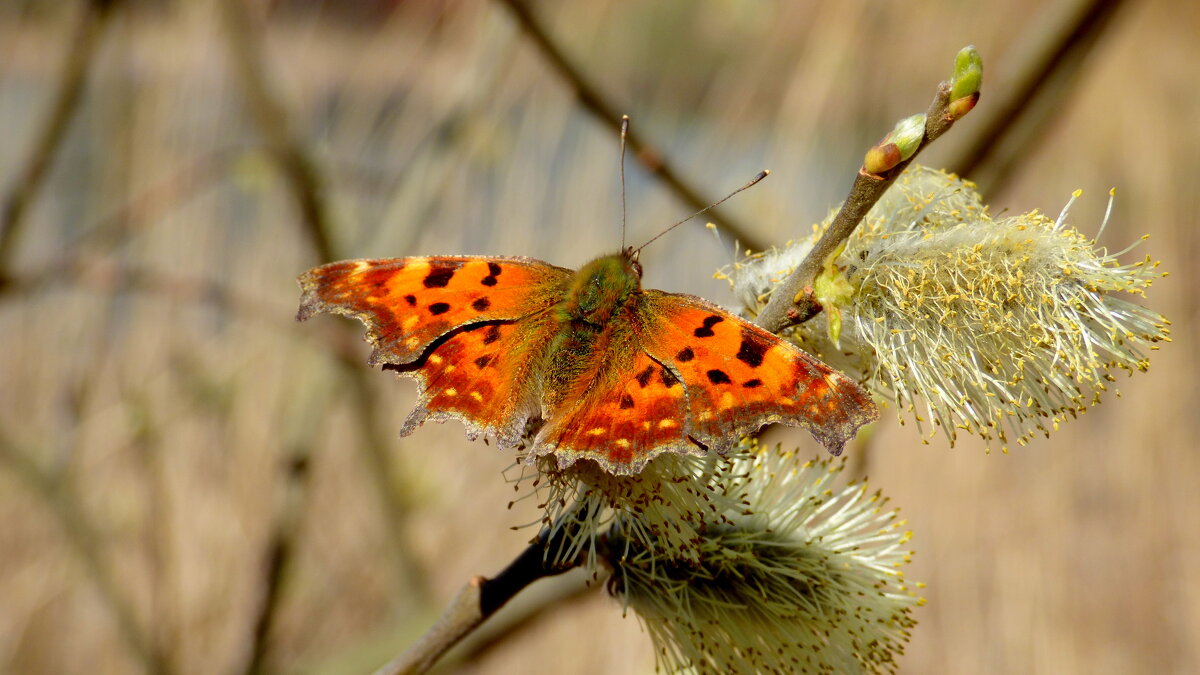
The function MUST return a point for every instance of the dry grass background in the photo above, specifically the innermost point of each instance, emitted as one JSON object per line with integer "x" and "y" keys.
{"x": 161, "y": 416}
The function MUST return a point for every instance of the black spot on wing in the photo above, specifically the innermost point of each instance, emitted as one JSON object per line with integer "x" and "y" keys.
{"x": 440, "y": 274}
{"x": 718, "y": 377}
{"x": 643, "y": 378}
{"x": 685, "y": 355}
{"x": 626, "y": 402}
{"x": 753, "y": 348}
{"x": 751, "y": 384}
{"x": 494, "y": 271}
{"x": 706, "y": 329}
{"x": 481, "y": 304}
{"x": 439, "y": 308}
{"x": 483, "y": 361}
{"x": 492, "y": 334}
{"x": 411, "y": 300}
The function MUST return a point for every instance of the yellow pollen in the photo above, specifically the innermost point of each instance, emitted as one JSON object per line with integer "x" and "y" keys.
{"x": 411, "y": 321}
{"x": 667, "y": 424}
{"x": 449, "y": 369}
{"x": 646, "y": 425}
{"x": 598, "y": 431}
{"x": 621, "y": 442}
{"x": 477, "y": 396}
{"x": 704, "y": 416}
{"x": 451, "y": 392}
{"x": 411, "y": 342}
{"x": 434, "y": 358}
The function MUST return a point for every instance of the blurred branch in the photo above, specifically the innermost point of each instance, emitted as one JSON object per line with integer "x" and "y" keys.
{"x": 479, "y": 599}
{"x": 62, "y": 501}
{"x": 1011, "y": 125}
{"x": 302, "y": 176}
{"x": 595, "y": 102}
{"x": 270, "y": 116}
{"x": 72, "y": 80}
{"x": 280, "y": 548}
{"x": 793, "y": 301}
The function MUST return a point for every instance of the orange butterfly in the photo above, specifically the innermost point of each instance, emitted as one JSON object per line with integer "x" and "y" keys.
{"x": 587, "y": 364}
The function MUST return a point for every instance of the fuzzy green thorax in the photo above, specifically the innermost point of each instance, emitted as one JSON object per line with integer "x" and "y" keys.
{"x": 599, "y": 289}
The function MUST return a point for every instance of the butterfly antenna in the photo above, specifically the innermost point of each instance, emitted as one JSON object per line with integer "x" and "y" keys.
{"x": 761, "y": 175}
{"x": 624, "y": 131}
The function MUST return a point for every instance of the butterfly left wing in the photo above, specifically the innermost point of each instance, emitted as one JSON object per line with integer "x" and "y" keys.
{"x": 470, "y": 330}
{"x": 408, "y": 303}
{"x": 739, "y": 377}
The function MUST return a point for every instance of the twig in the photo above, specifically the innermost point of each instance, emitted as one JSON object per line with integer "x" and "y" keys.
{"x": 71, "y": 84}
{"x": 478, "y": 600}
{"x": 595, "y": 102}
{"x": 272, "y": 121}
{"x": 1012, "y": 124}
{"x": 792, "y": 301}
{"x": 308, "y": 188}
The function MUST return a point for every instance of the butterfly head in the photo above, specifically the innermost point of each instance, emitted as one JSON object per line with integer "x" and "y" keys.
{"x": 603, "y": 286}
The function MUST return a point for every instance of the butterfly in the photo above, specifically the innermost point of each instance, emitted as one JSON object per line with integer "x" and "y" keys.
{"x": 581, "y": 365}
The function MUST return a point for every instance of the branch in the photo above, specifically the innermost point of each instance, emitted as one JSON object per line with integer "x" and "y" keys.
{"x": 596, "y": 103}
{"x": 71, "y": 84}
{"x": 302, "y": 176}
{"x": 1013, "y": 124}
{"x": 793, "y": 301}
{"x": 476, "y": 601}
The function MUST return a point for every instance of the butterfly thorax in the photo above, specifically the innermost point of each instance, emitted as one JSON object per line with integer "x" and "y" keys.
{"x": 591, "y": 316}
{"x": 599, "y": 290}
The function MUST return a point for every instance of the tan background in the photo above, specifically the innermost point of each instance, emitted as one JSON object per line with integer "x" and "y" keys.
{"x": 154, "y": 386}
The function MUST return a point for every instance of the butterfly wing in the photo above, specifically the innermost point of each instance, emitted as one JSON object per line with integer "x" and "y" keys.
{"x": 408, "y": 303}
{"x": 633, "y": 410}
{"x": 469, "y": 330}
{"x": 739, "y": 377}
{"x": 695, "y": 379}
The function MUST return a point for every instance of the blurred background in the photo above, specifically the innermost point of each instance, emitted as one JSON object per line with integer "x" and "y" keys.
{"x": 191, "y": 482}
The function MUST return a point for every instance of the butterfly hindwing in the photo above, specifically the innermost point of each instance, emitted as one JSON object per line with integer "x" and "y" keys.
{"x": 408, "y": 303}
{"x": 481, "y": 375}
{"x": 638, "y": 410}
{"x": 739, "y": 377}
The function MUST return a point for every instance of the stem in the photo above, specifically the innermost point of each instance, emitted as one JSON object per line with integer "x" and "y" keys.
{"x": 475, "y": 602}
{"x": 1013, "y": 124}
{"x": 596, "y": 103}
{"x": 792, "y": 302}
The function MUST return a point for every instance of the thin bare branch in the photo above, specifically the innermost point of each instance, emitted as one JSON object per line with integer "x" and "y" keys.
{"x": 595, "y": 102}
{"x": 1012, "y": 123}
{"x": 792, "y": 301}
{"x": 476, "y": 601}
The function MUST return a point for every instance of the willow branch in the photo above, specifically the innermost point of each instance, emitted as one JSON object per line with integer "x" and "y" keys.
{"x": 479, "y": 599}
{"x": 592, "y": 100}
{"x": 1013, "y": 123}
{"x": 72, "y": 81}
{"x": 792, "y": 302}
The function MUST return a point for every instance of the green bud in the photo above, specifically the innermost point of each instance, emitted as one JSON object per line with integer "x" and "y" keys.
{"x": 908, "y": 134}
{"x": 900, "y": 144}
{"x": 968, "y": 73}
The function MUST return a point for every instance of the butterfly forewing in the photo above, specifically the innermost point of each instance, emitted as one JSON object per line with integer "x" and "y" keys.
{"x": 407, "y": 303}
